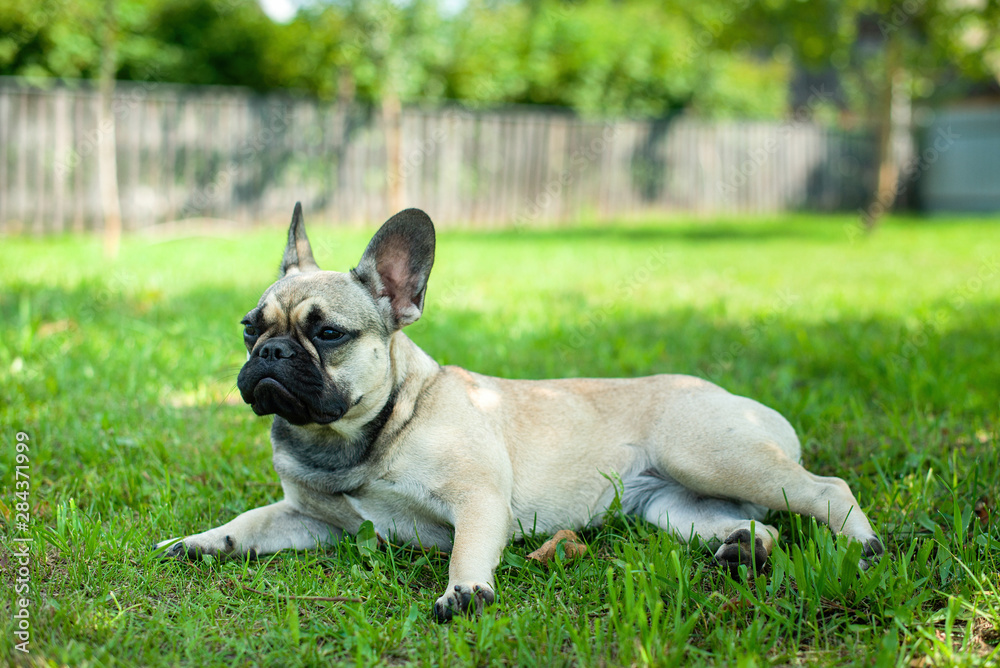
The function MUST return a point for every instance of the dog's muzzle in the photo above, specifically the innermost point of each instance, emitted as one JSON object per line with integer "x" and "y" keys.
{"x": 280, "y": 378}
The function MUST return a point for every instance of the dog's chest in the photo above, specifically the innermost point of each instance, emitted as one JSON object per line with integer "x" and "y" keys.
{"x": 403, "y": 512}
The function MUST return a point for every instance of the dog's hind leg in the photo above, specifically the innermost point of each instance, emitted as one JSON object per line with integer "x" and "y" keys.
{"x": 763, "y": 474}
{"x": 731, "y": 528}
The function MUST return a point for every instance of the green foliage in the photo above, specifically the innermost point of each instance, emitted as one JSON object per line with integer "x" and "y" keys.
{"x": 942, "y": 47}
{"x": 607, "y": 57}
{"x": 58, "y": 38}
{"x": 598, "y": 57}
{"x": 880, "y": 349}
{"x": 213, "y": 42}
{"x": 725, "y": 58}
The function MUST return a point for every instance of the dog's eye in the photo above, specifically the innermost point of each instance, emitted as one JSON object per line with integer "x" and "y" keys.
{"x": 329, "y": 334}
{"x": 249, "y": 330}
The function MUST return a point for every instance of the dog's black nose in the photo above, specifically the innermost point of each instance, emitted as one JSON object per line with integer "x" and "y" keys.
{"x": 276, "y": 349}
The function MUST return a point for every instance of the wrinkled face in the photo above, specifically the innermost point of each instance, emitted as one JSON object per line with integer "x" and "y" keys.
{"x": 318, "y": 349}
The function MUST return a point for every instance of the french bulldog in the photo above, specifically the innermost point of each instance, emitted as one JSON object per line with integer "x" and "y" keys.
{"x": 367, "y": 426}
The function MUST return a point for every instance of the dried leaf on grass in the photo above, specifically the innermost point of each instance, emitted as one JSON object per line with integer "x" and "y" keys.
{"x": 982, "y": 510}
{"x": 983, "y": 630}
{"x": 572, "y": 547}
{"x": 982, "y": 641}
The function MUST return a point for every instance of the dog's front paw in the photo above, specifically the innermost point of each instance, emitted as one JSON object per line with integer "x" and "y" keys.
{"x": 194, "y": 547}
{"x": 176, "y": 548}
{"x": 742, "y": 548}
{"x": 873, "y": 552}
{"x": 463, "y": 598}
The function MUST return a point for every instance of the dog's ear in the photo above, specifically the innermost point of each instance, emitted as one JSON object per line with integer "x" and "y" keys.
{"x": 298, "y": 257}
{"x": 398, "y": 262}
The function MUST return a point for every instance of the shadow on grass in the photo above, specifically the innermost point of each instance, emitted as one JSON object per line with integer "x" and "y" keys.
{"x": 682, "y": 230}
{"x": 859, "y": 387}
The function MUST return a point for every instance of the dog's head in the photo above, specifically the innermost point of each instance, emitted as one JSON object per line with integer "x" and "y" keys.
{"x": 318, "y": 342}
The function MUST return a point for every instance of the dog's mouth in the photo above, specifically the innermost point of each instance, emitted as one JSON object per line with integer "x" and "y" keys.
{"x": 271, "y": 397}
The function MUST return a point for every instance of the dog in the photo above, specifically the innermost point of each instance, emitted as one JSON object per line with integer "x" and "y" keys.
{"x": 367, "y": 426}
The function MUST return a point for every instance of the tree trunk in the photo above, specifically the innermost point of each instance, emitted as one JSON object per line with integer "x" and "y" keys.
{"x": 107, "y": 163}
{"x": 392, "y": 118}
{"x": 890, "y": 121}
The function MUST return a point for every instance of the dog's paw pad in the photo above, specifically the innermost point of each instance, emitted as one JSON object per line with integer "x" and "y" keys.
{"x": 464, "y": 598}
{"x": 179, "y": 550}
{"x": 189, "y": 552}
{"x": 740, "y": 548}
{"x": 192, "y": 548}
{"x": 873, "y": 551}
{"x": 873, "y": 548}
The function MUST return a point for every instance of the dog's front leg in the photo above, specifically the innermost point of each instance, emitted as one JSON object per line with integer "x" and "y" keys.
{"x": 263, "y": 530}
{"x": 482, "y": 530}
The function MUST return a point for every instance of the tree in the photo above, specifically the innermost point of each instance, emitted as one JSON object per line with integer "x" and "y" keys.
{"x": 920, "y": 46}
{"x": 213, "y": 42}
{"x": 42, "y": 39}
{"x": 598, "y": 57}
{"x": 107, "y": 148}
{"x": 390, "y": 53}
{"x": 604, "y": 58}
{"x": 888, "y": 56}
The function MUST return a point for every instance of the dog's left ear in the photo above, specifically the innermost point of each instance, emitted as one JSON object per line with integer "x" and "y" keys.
{"x": 298, "y": 257}
{"x": 397, "y": 264}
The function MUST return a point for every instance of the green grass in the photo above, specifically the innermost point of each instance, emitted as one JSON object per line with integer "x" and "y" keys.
{"x": 882, "y": 351}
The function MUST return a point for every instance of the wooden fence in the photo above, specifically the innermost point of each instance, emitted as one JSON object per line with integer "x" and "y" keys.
{"x": 225, "y": 153}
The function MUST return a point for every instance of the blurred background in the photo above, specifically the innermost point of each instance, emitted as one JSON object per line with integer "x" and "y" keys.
{"x": 130, "y": 114}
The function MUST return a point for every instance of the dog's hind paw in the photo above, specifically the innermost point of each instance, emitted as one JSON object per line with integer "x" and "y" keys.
{"x": 463, "y": 598}
{"x": 742, "y": 548}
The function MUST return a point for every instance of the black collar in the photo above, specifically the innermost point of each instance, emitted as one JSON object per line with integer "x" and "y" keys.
{"x": 371, "y": 431}
{"x": 318, "y": 451}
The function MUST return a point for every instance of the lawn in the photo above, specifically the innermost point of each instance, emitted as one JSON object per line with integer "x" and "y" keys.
{"x": 881, "y": 350}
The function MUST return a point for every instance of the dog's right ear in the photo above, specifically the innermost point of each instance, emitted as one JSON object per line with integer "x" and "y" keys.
{"x": 396, "y": 265}
{"x": 298, "y": 257}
